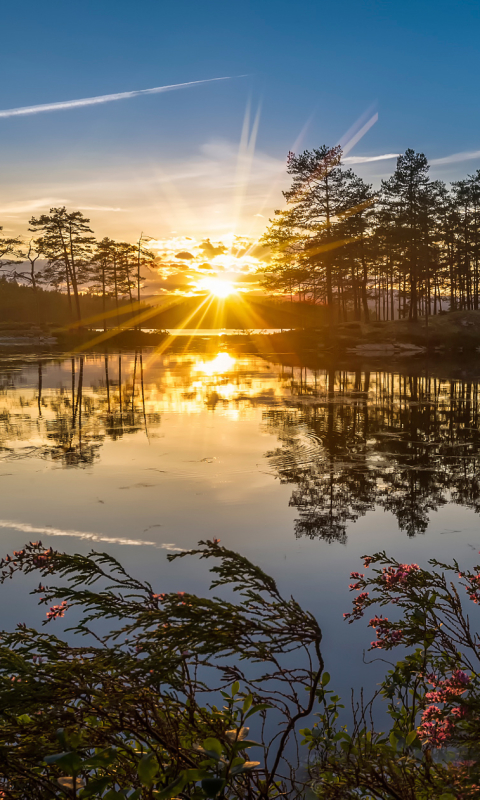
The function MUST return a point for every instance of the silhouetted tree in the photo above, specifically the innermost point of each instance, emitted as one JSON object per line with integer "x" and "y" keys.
{"x": 66, "y": 241}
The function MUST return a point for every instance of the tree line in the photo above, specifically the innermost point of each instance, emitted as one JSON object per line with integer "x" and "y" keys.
{"x": 411, "y": 248}
{"x": 73, "y": 261}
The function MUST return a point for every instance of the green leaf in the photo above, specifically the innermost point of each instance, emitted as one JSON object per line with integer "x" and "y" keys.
{"x": 148, "y": 768}
{"x": 213, "y": 746}
{"x": 325, "y": 678}
{"x": 235, "y": 688}
{"x": 192, "y": 775}
{"x": 411, "y": 738}
{"x": 114, "y": 795}
{"x": 102, "y": 759}
{"x": 247, "y": 703}
{"x": 257, "y": 708}
{"x": 212, "y": 786}
{"x": 70, "y": 763}
{"x": 393, "y": 739}
{"x": 172, "y": 789}
{"x": 96, "y": 787}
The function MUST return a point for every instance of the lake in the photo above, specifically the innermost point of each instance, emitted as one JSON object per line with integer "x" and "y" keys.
{"x": 302, "y": 470}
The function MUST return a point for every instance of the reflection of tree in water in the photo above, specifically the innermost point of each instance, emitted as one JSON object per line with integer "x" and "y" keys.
{"x": 73, "y": 423}
{"x": 353, "y": 441}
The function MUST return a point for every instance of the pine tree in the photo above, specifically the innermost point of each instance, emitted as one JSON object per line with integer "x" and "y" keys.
{"x": 66, "y": 240}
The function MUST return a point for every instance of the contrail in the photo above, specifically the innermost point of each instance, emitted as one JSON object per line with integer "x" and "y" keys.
{"x": 104, "y": 98}
{"x": 92, "y": 537}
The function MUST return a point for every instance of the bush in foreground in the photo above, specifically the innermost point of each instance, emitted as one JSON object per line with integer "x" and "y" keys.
{"x": 162, "y": 704}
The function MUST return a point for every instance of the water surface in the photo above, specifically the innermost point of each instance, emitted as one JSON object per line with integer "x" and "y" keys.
{"x": 301, "y": 470}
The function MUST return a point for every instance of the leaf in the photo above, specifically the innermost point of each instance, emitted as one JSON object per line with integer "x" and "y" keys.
{"x": 325, "y": 678}
{"x": 237, "y": 734}
{"x": 114, "y": 795}
{"x": 212, "y": 786}
{"x": 96, "y": 787}
{"x": 411, "y": 738}
{"x": 235, "y": 688}
{"x": 102, "y": 759}
{"x": 244, "y": 745}
{"x": 148, "y": 768}
{"x": 213, "y": 746}
{"x": 68, "y": 762}
{"x": 247, "y": 703}
{"x": 172, "y": 789}
{"x": 257, "y": 708}
{"x": 192, "y": 775}
{"x": 393, "y": 740}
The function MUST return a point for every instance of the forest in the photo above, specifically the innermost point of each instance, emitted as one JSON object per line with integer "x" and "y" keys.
{"x": 73, "y": 261}
{"x": 409, "y": 249}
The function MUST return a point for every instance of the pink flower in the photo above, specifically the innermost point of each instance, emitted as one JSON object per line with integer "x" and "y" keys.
{"x": 57, "y": 611}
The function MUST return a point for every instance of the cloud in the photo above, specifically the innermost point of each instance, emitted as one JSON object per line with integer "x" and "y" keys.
{"x": 185, "y": 255}
{"x": 104, "y": 98}
{"x": 357, "y": 136}
{"x": 211, "y": 250}
{"x": 368, "y": 159}
{"x": 22, "y": 206}
{"x": 100, "y": 208}
{"x": 455, "y": 158}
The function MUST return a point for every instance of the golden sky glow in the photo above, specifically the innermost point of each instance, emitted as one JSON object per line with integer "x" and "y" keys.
{"x": 188, "y": 266}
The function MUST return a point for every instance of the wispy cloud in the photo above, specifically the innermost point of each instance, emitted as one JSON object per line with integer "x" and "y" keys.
{"x": 455, "y": 158}
{"x": 91, "y": 537}
{"x": 104, "y": 98}
{"x": 368, "y": 159}
{"x": 22, "y": 206}
{"x": 100, "y": 208}
{"x": 352, "y": 141}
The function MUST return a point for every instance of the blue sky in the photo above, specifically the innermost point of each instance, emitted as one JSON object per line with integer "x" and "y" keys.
{"x": 170, "y": 162}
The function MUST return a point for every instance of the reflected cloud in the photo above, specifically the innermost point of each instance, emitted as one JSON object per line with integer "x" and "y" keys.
{"x": 84, "y": 535}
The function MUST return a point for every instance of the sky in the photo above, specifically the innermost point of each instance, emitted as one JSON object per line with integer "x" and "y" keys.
{"x": 207, "y": 160}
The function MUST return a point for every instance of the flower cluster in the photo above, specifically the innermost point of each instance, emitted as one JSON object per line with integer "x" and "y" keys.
{"x": 357, "y": 576}
{"x": 358, "y": 607}
{"x": 472, "y": 586}
{"x": 443, "y": 691}
{"x": 437, "y": 725}
{"x": 393, "y": 577}
{"x": 386, "y": 633}
{"x": 57, "y": 611}
{"x": 435, "y": 732}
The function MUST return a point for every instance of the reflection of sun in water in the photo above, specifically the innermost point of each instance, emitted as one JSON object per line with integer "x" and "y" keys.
{"x": 217, "y": 286}
{"x": 220, "y": 364}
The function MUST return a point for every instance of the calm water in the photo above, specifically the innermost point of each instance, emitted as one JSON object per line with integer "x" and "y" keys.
{"x": 303, "y": 471}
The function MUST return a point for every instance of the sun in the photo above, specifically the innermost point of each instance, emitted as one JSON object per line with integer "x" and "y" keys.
{"x": 217, "y": 287}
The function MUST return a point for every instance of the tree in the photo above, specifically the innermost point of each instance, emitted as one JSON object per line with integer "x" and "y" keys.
{"x": 67, "y": 245}
{"x": 308, "y": 236}
{"x": 405, "y": 195}
{"x": 31, "y": 255}
{"x": 10, "y": 250}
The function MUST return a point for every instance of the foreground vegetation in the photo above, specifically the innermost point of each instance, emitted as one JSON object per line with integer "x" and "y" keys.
{"x": 162, "y": 705}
